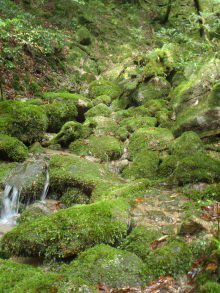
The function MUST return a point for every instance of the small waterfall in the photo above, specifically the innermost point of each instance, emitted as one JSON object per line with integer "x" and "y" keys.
{"x": 10, "y": 205}
{"x": 46, "y": 185}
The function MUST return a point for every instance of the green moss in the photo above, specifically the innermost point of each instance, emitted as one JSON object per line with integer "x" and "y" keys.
{"x": 133, "y": 124}
{"x": 12, "y": 149}
{"x": 187, "y": 144}
{"x": 20, "y": 278}
{"x": 36, "y": 148}
{"x": 22, "y": 120}
{"x": 99, "y": 110}
{"x": 197, "y": 168}
{"x": 74, "y": 196}
{"x": 72, "y": 171}
{"x": 155, "y": 106}
{"x": 69, "y": 132}
{"x": 104, "y": 87}
{"x": 168, "y": 166}
{"x": 163, "y": 118}
{"x": 103, "y": 147}
{"x": 210, "y": 287}
{"x": 31, "y": 213}
{"x": 215, "y": 96}
{"x": 58, "y": 113}
{"x": 101, "y": 125}
{"x": 144, "y": 165}
{"x": 174, "y": 259}
{"x": 83, "y": 36}
{"x": 139, "y": 241}
{"x": 5, "y": 169}
{"x": 70, "y": 231}
{"x": 104, "y": 99}
{"x": 149, "y": 138}
{"x": 113, "y": 267}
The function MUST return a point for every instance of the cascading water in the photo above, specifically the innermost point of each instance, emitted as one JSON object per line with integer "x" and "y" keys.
{"x": 46, "y": 185}
{"x": 10, "y": 205}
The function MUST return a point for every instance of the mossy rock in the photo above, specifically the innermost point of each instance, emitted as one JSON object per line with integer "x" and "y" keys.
{"x": 113, "y": 267}
{"x": 70, "y": 231}
{"x": 73, "y": 171}
{"x": 155, "y": 88}
{"x": 99, "y": 110}
{"x": 104, "y": 87}
{"x": 139, "y": 241}
{"x": 24, "y": 278}
{"x": 144, "y": 165}
{"x": 163, "y": 118}
{"x": 74, "y": 196}
{"x": 197, "y": 168}
{"x": 69, "y": 132}
{"x": 83, "y": 36}
{"x": 132, "y": 123}
{"x": 168, "y": 166}
{"x": 187, "y": 144}
{"x": 104, "y": 147}
{"x": 151, "y": 138}
{"x": 103, "y": 99}
{"x": 81, "y": 103}
{"x": 12, "y": 149}
{"x": 101, "y": 125}
{"x": 59, "y": 113}
{"x": 22, "y": 120}
{"x": 174, "y": 258}
{"x": 154, "y": 106}
{"x": 36, "y": 148}
{"x": 31, "y": 213}
{"x": 5, "y": 170}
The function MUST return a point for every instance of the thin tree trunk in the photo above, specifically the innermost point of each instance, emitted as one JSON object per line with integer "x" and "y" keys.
{"x": 166, "y": 17}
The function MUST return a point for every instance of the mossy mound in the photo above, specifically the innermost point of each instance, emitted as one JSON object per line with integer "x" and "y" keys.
{"x": 168, "y": 166}
{"x": 104, "y": 147}
{"x": 197, "y": 168}
{"x": 131, "y": 124}
{"x": 139, "y": 241}
{"x": 22, "y": 120}
{"x": 20, "y": 278}
{"x": 156, "y": 88}
{"x": 103, "y": 99}
{"x": 155, "y": 106}
{"x": 36, "y": 148}
{"x": 74, "y": 196}
{"x": 101, "y": 125}
{"x": 59, "y": 113}
{"x": 149, "y": 138}
{"x": 5, "y": 169}
{"x": 83, "y": 36}
{"x": 73, "y": 171}
{"x": 70, "y": 231}
{"x": 104, "y": 87}
{"x": 69, "y": 132}
{"x": 113, "y": 267}
{"x": 31, "y": 213}
{"x": 144, "y": 165}
{"x": 187, "y": 144}
{"x": 175, "y": 258}
{"x": 12, "y": 149}
{"x": 99, "y": 110}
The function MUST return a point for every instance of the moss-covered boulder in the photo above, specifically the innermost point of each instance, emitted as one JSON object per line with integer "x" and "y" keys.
{"x": 103, "y": 99}
{"x": 175, "y": 258}
{"x": 36, "y": 148}
{"x": 156, "y": 105}
{"x": 187, "y": 144}
{"x": 5, "y": 170}
{"x": 113, "y": 267}
{"x": 12, "y": 149}
{"x": 168, "y": 165}
{"x": 197, "y": 168}
{"x": 104, "y": 147}
{"x": 132, "y": 123}
{"x": 104, "y": 87}
{"x": 149, "y": 138}
{"x": 22, "y": 120}
{"x": 73, "y": 171}
{"x": 196, "y": 102}
{"x": 144, "y": 165}
{"x": 70, "y": 231}
{"x": 139, "y": 241}
{"x": 20, "y": 278}
{"x": 156, "y": 88}
{"x": 81, "y": 103}
{"x": 59, "y": 113}
{"x": 101, "y": 125}
{"x": 31, "y": 213}
{"x": 99, "y": 110}
{"x": 69, "y": 132}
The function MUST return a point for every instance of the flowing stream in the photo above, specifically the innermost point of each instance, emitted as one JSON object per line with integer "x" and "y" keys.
{"x": 46, "y": 186}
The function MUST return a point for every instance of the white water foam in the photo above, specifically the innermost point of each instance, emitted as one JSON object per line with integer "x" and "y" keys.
{"x": 46, "y": 186}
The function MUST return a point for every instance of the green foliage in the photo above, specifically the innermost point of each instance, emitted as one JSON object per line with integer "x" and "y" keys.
{"x": 5, "y": 169}
{"x": 12, "y": 149}
{"x": 104, "y": 87}
{"x": 74, "y": 196}
{"x": 30, "y": 213}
